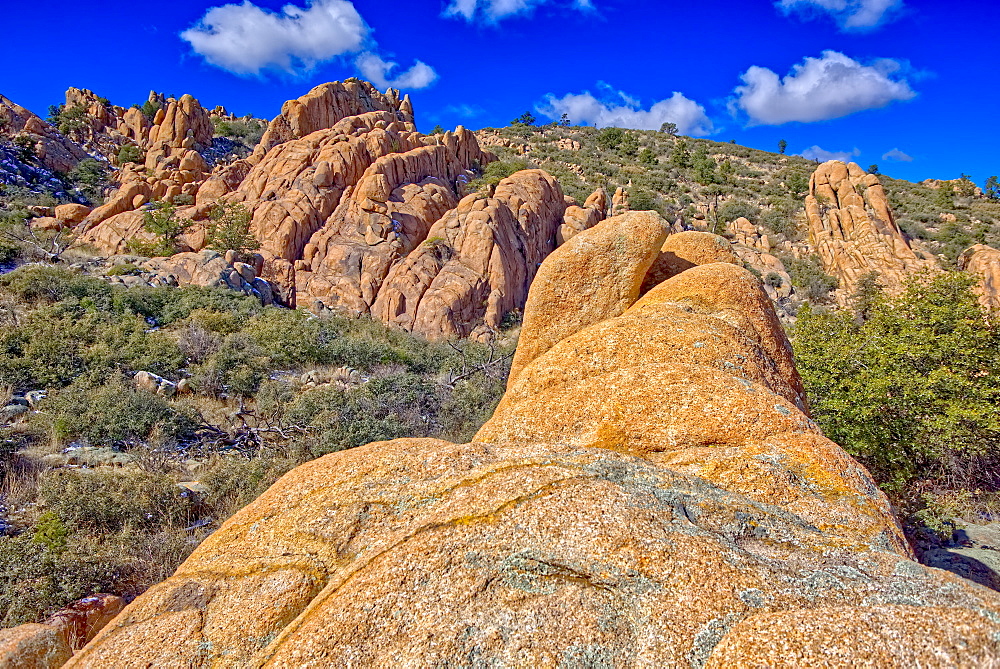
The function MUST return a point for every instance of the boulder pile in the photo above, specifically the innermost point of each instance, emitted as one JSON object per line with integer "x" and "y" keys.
{"x": 650, "y": 491}
{"x": 355, "y": 210}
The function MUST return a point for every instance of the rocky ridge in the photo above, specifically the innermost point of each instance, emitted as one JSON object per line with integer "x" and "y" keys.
{"x": 358, "y": 212}
{"x": 650, "y": 491}
{"x": 354, "y": 209}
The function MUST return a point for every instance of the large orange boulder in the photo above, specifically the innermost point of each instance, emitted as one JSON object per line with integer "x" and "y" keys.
{"x": 651, "y": 492}
{"x": 684, "y": 250}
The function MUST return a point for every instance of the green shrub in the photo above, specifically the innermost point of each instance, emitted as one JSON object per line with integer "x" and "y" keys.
{"x": 913, "y": 389}
{"x": 129, "y": 153}
{"x": 125, "y": 269}
{"x": 390, "y": 407}
{"x": 36, "y": 581}
{"x": 734, "y": 209}
{"x": 781, "y": 222}
{"x": 107, "y": 501}
{"x": 248, "y": 131}
{"x": 290, "y": 338}
{"x": 161, "y": 220}
{"x": 92, "y": 177}
{"x": 113, "y": 414}
{"x": 496, "y": 172}
{"x": 229, "y": 229}
{"x": 237, "y": 368}
{"x": 808, "y": 276}
{"x": 610, "y": 139}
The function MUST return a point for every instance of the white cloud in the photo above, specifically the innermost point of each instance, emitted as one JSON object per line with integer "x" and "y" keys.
{"x": 376, "y": 70}
{"x": 822, "y": 155}
{"x": 896, "y": 154}
{"x": 819, "y": 89}
{"x": 465, "y": 110}
{"x": 492, "y": 11}
{"x": 624, "y": 111}
{"x": 246, "y": 39}
{"x": 849, "y": 14}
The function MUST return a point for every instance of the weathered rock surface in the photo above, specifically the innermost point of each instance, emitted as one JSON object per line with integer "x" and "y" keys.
{"x": 684, "y": 250}
{"x": 852, "y": 229}
{"x": 650, "y": 492}
{"x": 984, "y": 261}
{"x": 477, "y": 261}
{"x": 50, "y": 644}
{"x": 327, "y": 104}
{"x": 342, "y": 190}
{"x": 577, "y": 218}
{"x": 53, "y": 150}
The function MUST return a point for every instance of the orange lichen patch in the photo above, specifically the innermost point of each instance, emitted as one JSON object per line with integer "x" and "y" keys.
{"x": 691, "y": 406}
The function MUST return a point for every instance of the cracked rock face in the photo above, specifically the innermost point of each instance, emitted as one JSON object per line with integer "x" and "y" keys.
{"x": 853, "y": 231}
{"x": 651, "y": 492}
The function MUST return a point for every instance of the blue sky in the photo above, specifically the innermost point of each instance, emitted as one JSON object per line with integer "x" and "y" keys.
{"x": 906, "y": 84}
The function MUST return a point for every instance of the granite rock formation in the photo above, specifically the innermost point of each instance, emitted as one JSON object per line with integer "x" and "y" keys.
{"x": 651, "y": 491}
{"x": 355, "y": 210}
{"x": 984, "y": 262}
{"x": 852, "y": 229}
{"x": 54, "y": 151}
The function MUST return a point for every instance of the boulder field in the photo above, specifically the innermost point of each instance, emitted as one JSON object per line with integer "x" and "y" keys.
{"x": 650, "y": 492}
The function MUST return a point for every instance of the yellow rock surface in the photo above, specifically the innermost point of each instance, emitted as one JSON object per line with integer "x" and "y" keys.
{"x": 685, "y": 250}
{"x": 984, "y": 262}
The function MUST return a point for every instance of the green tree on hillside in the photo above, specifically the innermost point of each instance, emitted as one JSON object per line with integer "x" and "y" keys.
{"x": 669, "y": 128}
{"x": 704, "y": 166}
{"x": 913, "y": 390}
{"x": 527, "y": 118}
{"x": 992, "y": 188}
{"x": 610, "y": 139}
{"x": 782, "y": 145}
{"x": 680, "y": 157}
{"x": 229, "y": 229}
{"x": 161, "y": 220}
